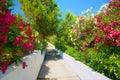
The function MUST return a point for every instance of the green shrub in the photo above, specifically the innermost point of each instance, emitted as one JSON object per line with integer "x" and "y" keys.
{"x": 104, "y": 61}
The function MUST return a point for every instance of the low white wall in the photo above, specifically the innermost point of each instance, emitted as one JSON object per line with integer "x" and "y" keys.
{"x": 34, "y": 62}
{"x": 82, "y": 70}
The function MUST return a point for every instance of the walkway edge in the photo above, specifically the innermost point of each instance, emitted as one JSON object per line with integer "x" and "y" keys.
{"x": 82, "y": 70}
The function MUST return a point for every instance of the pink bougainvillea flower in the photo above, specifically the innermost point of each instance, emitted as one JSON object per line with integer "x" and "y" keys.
{"x": 28, "y": 31}
{"x": 117, "y": 42}
{"x": 94, "y": 45}
{"x": 27, "y": 24}
{"x": 3, "y": 67}
{"x": 17, "y": 41}
{"x": 4, "y": 29}
{"x": 27, "y": 46}
{"x": 108, "y": 41}
{"x": 114, "y": 34}
{"x": 98, "y": 18}
{"x": 86, "y": 44}
{"x": 24, "y": 65}
{"x": 107, "y": 12}
{"x": 117, "y": 13}
{"x": 7, "y": 18}
{"x": 21, "y": 27}
{"x": 98, "y": 39}
{"x": 96, "y": 48}
{"x": 3, "y": 39}
{"x": 107, "y": 29}
{"x": 30, "y": 38}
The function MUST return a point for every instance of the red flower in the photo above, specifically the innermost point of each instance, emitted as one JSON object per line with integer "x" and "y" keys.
{"x": 21, "y": 27}
{"x": 117, "y": 13}
{"x": 118, "y": 42}
{"x": 98, "y": 18}
{"x": 94, "y": 45}
{"x": 7, "y": 18}
{"x": 107, "y": 12}
{"x": 109, "y": 42}
{"x": 114, "y": 34}
{"x": 98, "y": 39}
{"x": 107, "y": 29}
{"x": 86, "y": 44}
{"x": 3, "y": 67}
{"x": 17, "y": 41}
{"x": 28, "y": 31}
{"x": 24, "y": 65}
{"x": 4, "y": 29}
{"x": 97, "y": 49}
{"x": 30, "y": 38}
{"x": 3, "y": 39}
{"x": 28, "y": 46}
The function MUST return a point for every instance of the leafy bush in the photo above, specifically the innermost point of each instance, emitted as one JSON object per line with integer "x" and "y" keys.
{"x": 95, "y": 40}
{"x": 17, "y": 38}
{"x": 105, "y": 63}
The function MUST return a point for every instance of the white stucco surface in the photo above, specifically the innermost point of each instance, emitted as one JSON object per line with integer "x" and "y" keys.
{"x": 34, "y": 62}
{"x": 82, "y": 70}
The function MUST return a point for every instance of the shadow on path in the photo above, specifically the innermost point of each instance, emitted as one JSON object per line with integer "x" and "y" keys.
{"x": 51, "y": 55}
{"x": 55, "y": 68}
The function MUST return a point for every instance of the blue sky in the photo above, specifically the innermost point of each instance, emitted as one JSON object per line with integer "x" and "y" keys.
{"x": 74, "y": 6}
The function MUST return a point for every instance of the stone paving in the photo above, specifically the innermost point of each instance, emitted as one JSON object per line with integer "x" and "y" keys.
{"x": 55, "y": 68}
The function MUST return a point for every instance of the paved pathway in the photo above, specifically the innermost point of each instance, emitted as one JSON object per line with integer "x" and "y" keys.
{"x": 55, "y": 68}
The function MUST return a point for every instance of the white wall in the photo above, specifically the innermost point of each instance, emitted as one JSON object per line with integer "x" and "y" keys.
{"x": 82, "y": 70}
{"x": 34, "y": 62}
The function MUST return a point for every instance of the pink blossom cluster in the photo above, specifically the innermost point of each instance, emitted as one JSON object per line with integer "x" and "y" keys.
{"x": 26, "y": 41}
{"x": 114, "y": 4}
{"x": 105, "y": 31}
{"x": 6, "y": 18}
{"x": 18, "y": 40}
{"x": 111, "y": 33}
{"x": 27, "y": 46}
{"x": 110, "y": 29}
{"x": 3, "y": 67}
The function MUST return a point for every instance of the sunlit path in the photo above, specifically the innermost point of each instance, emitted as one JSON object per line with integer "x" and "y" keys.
{"x": 55, "y": 68}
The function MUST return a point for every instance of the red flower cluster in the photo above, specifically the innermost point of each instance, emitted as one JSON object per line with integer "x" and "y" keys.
{"x": 3, "y": 67}
{"x": 98, "y": 39}
{"x": 88, "y": 33}
{"x": 114, "y": 4}
{"x": 110, "y": 27}
{"x": 15, "y": 32}
{"x": 27, "y": 46}
{"x": 17, "y": 41}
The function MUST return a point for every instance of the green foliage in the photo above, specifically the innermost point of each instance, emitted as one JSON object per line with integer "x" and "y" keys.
{"x": 82, "y": 42}
{"x": 73, "y": 52}
{"x": 63, "y": 31}
{"x": 60, "y": 44}
{"x": 42, "y": 14}
{"x": 105, "y": 63}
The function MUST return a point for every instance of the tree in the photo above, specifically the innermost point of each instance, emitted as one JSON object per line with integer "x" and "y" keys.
{"x": 63, "y": 31}
{"x": 66, "y": 24}
{"x": 42, "y": 14}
